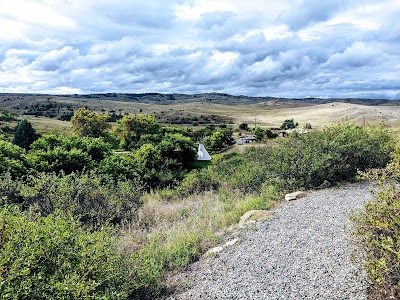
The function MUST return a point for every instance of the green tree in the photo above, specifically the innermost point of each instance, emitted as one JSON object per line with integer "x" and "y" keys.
{"x": 152, "y": 168}
{"x": 24, "y": 134}
{"x": 178, "y": 147}
{"x": 215, "y": 141}
{"x": 243, "y": 126}
{"x": 289, "y": 124}
{"x": 259, "y": 133}
{"x": 122, "y": 166}
{"x": 88, "y": 123}
{"x": 131, "y": 128}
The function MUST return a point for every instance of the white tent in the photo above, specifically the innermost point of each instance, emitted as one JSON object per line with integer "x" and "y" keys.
{"x": 202, "y": 153}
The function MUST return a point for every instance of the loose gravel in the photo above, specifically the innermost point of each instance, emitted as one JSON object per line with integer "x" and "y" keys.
{"x": 302, "y": 252}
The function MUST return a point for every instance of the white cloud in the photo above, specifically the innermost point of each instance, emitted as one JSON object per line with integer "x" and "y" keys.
{"x": 55, "y": 59}
{"x": 256, "y": 47}
{"x": 355, "y": 56}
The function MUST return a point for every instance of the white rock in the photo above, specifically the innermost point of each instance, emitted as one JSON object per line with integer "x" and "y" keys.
{"x": 255, "y": 215}
{"x": 294, "y": 196}
{"x": 215, "y": 250}
{"x": 231, "y": 243}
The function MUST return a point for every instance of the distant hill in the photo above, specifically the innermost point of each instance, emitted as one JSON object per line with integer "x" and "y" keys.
{"x": 220, "y": 98}
{"x": 209, "y": 108}
{"x": 216, "y": 98}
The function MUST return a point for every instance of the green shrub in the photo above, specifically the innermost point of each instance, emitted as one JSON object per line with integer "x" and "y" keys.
{"x": 96, "y": 148}
{"x": 60, "y": 159}
{"x": 12, "y": 159}
{"x": 196, "y": 182}
{"x": 377, "y": 234}
{"x": 299, "y": 161}
{"x": 289, "y": 124}
{"x": 94, "y": 200}
{"x": 53, "y": 258}
{"x": 244, "y": 126}
{"x": 122, "y": 166}
{"x": 55, "y": 153}
{"x": 335, "y": 154}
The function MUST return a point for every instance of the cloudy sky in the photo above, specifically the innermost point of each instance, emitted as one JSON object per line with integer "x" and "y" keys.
{"x": 288, "y": 48}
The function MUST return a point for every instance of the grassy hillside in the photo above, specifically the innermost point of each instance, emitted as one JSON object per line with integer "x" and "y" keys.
{"x": 204, "y": 109}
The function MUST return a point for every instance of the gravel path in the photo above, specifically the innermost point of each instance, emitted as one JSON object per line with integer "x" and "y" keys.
{"x": 301, "y": 252}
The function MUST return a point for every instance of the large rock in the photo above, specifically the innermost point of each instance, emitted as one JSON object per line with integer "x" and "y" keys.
{"x": 294, "y": 196}
{"x": 254, "y": 215}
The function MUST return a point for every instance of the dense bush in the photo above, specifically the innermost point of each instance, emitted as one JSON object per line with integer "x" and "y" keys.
{"x": 121, "y": 166}
{"x": 243, "y": 126}
{"x": 60, "y": 159}
{"x": 334, "y": 154}
{"x": 12, "y": 159}
{"x": 303, "y": 160}
{"x": 263, "y": 134}
{"x": 198, "y": 181}
{"x": 94, "y": 200}
{"x": 53, "y": 153}
{"x": 96, "y": 148}
{"x": 54, "y": 258}
{"x": 377, "y": 234}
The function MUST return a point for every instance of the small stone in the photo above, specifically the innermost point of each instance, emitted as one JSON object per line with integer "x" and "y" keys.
{"x": 231, "y": 243}
{"x": 294, "y": 196}
{"x": 214, "y": 250}
{"x": 254, "y": 215}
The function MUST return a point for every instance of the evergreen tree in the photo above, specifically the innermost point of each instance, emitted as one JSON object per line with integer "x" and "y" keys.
{"x": 24, "y": 135}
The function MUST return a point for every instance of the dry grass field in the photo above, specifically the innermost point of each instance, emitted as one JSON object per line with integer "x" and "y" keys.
{"x": 265, "y": 112}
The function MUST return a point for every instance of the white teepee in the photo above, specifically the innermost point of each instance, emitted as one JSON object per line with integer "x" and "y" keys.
{"x": 202, "y": 153}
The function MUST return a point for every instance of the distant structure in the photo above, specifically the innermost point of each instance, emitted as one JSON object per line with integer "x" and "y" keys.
{"x": 202, "y": 153}
{"x": 246, "y": 139}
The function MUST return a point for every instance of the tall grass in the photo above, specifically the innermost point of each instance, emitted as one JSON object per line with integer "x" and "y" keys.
{"x": 171, "y": 234}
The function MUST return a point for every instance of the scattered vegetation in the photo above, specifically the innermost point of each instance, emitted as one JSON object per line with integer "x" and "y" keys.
{"x": 115, "y": 223}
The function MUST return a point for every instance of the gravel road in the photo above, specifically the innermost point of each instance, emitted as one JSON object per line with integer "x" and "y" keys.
{"x": 301, "y": 252}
